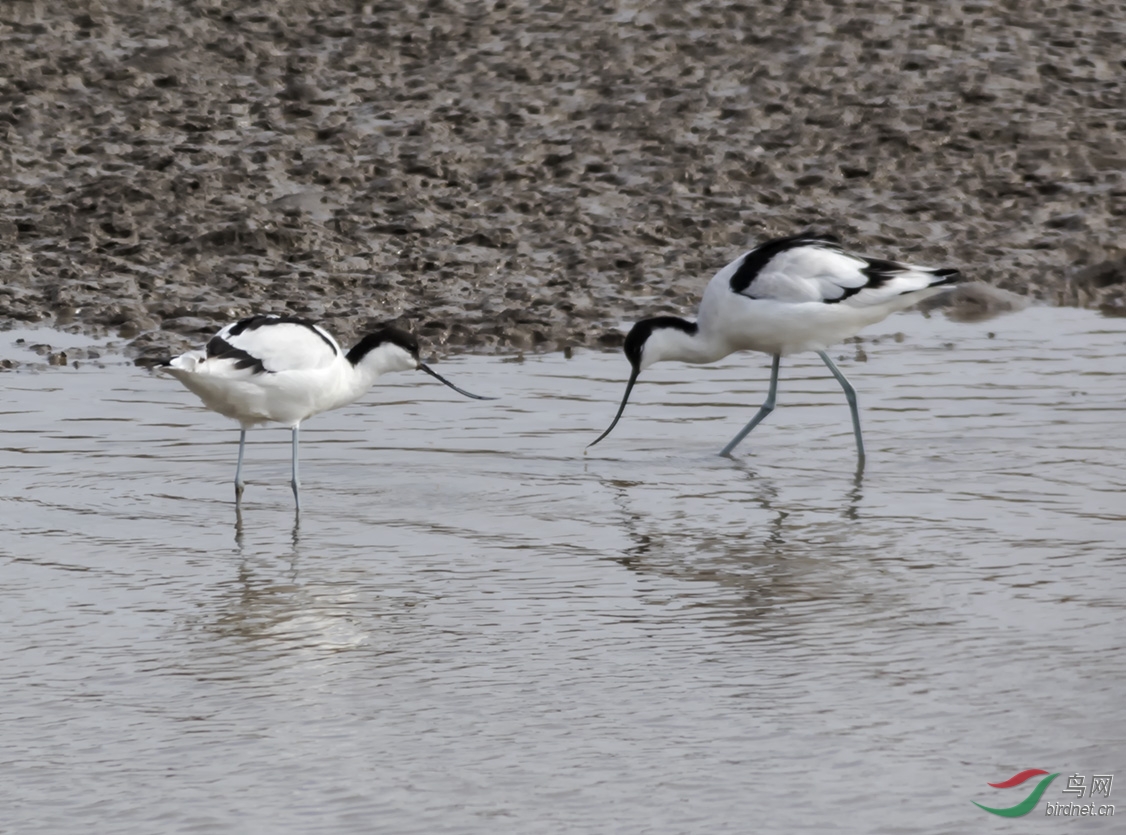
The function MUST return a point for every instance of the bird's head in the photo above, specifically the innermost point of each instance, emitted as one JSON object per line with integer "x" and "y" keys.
{"x": 390, "y": 349}
{"x": 650, "y": 341}
{"x": 386, "y": 350}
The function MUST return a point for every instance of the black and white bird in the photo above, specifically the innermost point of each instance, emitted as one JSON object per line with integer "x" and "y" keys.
{"x": 283, "y": 369}
{"x": 800, "y": 293}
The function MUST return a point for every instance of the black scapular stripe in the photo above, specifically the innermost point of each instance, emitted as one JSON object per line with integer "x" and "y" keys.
{"x": 251, "y": 323}
{"x": 761, "y": 255}
{"x": 218, "y": 348}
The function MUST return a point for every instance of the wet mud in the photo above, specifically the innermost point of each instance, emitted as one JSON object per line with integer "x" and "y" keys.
{"x": 511, "y": 177}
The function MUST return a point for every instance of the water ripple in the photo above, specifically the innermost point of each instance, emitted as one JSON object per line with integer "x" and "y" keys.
{"x": 474, "y": 626}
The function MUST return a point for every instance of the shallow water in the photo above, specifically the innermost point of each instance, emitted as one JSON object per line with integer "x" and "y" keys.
{"x": 477, "y": 628}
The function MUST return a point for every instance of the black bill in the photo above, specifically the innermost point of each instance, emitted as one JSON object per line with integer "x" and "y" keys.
{"x": 622, "y": 408}
{"x": 424, "y": 367}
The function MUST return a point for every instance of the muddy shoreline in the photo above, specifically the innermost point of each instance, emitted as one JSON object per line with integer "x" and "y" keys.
{"x": 507, "y": 177}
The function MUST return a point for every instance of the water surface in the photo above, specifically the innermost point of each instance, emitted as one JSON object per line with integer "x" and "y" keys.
{"x": 474, "y": 627}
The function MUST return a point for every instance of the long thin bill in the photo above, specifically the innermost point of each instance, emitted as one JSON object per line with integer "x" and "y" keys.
{"x": 424, "y": 367}
{"x": 622, "y": 408}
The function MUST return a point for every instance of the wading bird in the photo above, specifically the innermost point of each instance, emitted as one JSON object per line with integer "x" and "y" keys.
{"x": 801, "y": 293}
{"x": 284, "y": 369}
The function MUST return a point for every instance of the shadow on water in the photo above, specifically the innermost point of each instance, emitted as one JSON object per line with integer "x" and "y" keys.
{"x": 278, "y": 601}
{"x": 240, "y": 538}
{"x": 749, "y": 566}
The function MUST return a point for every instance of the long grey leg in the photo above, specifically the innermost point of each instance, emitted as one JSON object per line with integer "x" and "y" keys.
{"x": 850, "y": 395}
{"x": 765, "y": 410}
{"x": 296, "y": 482}
{"x": 239, "y": 483}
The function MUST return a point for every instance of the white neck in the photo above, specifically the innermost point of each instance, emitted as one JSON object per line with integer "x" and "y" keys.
{"x": 383, "y": 360}
{"x": 676, "y": 344}
{"x": 355, "y": 380}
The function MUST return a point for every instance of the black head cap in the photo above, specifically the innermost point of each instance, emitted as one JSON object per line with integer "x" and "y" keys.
{"x": 384, "y": 335}
{"x": 640, "y": 332}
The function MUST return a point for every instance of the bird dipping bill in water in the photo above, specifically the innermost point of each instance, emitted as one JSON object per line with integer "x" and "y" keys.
{"x": 284, "y": 369}
{"x": 801, "y": 293}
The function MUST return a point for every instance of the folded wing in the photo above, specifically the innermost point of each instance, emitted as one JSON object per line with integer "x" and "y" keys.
{"x": 813, "y": 269}
{"x": 269, "y": 345}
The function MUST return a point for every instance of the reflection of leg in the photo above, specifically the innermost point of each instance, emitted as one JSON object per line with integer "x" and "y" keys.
{"x": 856, "y": 494}
{"x": 850, "y": 395}
{"x": 239, "y": 484}
{"x": 238, "y": 526}
{"x": 765, "y": 410}
{"x": 295, "y": 482}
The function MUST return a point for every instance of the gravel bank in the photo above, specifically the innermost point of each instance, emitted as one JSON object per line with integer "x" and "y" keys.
{"x": 506, "y": 176}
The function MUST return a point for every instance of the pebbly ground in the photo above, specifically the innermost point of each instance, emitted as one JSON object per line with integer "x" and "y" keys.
{"x": 508, "y": 176}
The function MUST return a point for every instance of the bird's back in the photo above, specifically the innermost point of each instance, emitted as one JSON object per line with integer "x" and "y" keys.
{"x": 273, "y": 344}
{"x": 805, "y": 292}
{"x": 263, "y": 368}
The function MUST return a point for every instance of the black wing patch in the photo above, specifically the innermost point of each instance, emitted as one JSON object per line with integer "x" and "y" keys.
{"x": 251, "y": 323}
{"x": 877, "y": 273}
{"x": 218, "y": 348}
{"x": 761, "y": 255}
